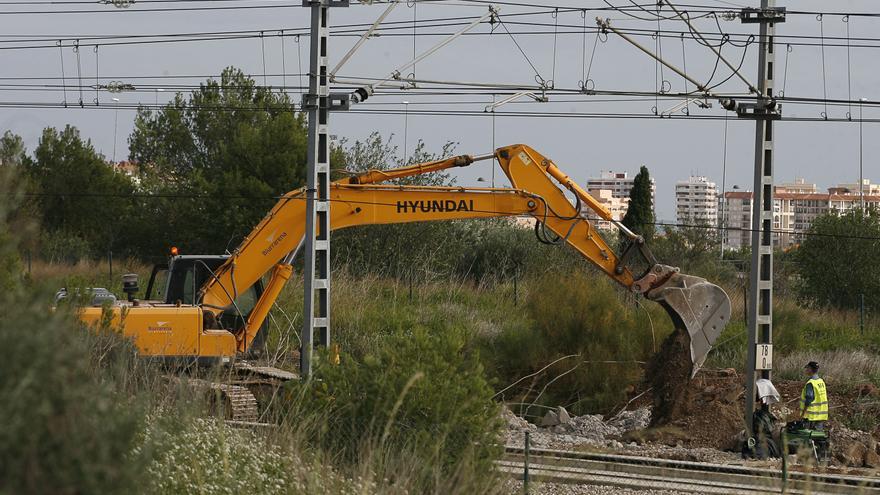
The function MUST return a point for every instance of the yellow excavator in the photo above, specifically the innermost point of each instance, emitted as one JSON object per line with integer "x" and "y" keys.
{"x": 198, "y": 326}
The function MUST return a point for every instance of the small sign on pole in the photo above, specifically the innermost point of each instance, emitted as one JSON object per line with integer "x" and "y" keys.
{"x": 764, "y": 352}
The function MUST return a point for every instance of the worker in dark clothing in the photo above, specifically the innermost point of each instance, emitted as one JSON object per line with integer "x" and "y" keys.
{"x": 814, "y": 399}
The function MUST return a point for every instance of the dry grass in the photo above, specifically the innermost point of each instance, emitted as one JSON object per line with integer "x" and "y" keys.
{"x": 86, "y": 272}
{"x": 839, "y": 365}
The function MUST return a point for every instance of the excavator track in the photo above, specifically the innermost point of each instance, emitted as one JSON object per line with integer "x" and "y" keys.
{"x": 239, "y": 402}
{"x": 266, "y": 372}
{"x": 233, "y": 402}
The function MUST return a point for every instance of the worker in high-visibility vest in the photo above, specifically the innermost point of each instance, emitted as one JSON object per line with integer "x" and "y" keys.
{"x": 814, "y": 398}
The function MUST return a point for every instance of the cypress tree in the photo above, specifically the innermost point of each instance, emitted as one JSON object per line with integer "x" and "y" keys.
{"x": 640, "y": 214}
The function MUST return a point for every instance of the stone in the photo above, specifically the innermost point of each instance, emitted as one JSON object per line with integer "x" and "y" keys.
{"x": 563, "y": 416}
{"x": 550, "y": 419}
{"x": 872, "y": 460}
{"x": 852, "y": 454}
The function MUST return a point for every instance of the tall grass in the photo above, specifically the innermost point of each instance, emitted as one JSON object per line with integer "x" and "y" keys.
{"x": 842, "y": 366}
{"x": 802, "y": 334}
{"x": 567, "y": 338}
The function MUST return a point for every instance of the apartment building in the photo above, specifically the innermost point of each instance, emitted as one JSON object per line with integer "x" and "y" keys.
{"x": 619, "y": 183}
{"x": 793, "y": 212}
{"x": 696, "y": 201}
{"x": 606, "y": 198}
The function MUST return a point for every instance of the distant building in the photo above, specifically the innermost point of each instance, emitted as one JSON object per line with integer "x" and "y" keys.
{"x": 696, "y": 201}
{"x": 793, "y": 212}
{"x": 868, "y": 189}
{"x": 799, "y": 186}
{"x": 736, "y": 219}
{"x": 618, "y": 185}
{"x": 524, "y": 221}
{"x": 605, "y": 197}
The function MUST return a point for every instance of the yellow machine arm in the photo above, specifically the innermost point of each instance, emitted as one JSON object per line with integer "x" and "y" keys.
{"x": 694, "y": 304}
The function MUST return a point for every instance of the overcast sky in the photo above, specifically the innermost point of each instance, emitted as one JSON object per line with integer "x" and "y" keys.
{"x": 822, "y": 152}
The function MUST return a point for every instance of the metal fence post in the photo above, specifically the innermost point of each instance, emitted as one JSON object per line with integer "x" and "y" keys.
{"x": 526, "y": 465}
{"x": 110, "y": 259}
{"x": 515, "y": 288}
{"x": 784, "y": 439}
{"x": 862, "y": 314}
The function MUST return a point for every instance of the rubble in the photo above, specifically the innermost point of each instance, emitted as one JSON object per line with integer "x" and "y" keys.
{"x": 854, "y": 448}
{"x": 554, "y": 417}
{"x": 559, "y": 430}
{"x": 711, "y": 431}
{"x": 637, "y": 419}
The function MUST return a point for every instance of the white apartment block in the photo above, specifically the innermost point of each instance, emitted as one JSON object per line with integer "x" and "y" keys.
{"x": 867, "y": 189}
{"x": 605, "y": 197}
{"x": 798, "y": 186}
{"x": 696, "y": 202}
{"x": 619, "y": 183}
{"x": 793, "y": 212}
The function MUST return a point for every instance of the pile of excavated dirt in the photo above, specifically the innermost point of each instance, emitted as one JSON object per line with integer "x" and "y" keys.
{"x": 712, "y": 417}
{"x": 709, "y": 414}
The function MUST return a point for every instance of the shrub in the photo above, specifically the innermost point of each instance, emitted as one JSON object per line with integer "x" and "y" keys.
{"x": 836, "y": 272}
{"x": 420, "y": 400}
{"x": 61, "y": 247}
{"x": 64, "y": 428}
{"x": 580, "y": 322}
{"x": 205, "y": 456}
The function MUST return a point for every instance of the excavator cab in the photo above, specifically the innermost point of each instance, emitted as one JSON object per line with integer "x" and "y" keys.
{"x": 179, "y": 280}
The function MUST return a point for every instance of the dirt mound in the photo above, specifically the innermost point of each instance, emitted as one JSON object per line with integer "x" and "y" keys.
{"x": 669, "y": 375}
{"x": 709, "y": 414}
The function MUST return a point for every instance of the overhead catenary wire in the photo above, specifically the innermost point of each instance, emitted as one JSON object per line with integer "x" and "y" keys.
{"x": 136, "y": 39}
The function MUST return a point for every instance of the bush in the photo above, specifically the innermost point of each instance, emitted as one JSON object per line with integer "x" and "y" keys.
{"x": 60, "y": 247}
{"x": 420, "y": 400}
{"x": 205, "y": 456}
{"x": 64, "y": 428}
{"x": 838, "y": 260}
{"x": 598, "y": 343}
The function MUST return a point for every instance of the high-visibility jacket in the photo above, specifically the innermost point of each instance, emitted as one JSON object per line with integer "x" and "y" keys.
{"x": 818, "y": 409}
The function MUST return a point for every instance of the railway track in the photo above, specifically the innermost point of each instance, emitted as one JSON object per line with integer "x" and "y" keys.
{"x": 557, "y": 466}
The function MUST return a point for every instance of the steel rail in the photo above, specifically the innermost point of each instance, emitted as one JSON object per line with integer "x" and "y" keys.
{"x": 652, "y": 473}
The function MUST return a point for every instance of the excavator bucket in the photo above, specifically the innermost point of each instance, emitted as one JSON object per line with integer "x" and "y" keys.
{"x": 696, "y": 306}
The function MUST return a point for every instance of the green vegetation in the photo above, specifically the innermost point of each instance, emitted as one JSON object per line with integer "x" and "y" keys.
{"x": 221, "y": 157}
{"x": 439, "y": 323}
{"x": 838, "y": 261}
{"x": 84, "y": 205}
{"x": 640, "y": 212}
{"x": 421, "y": 394}
{"x": 65, "y": 427}
{"x": 596, "y": 340}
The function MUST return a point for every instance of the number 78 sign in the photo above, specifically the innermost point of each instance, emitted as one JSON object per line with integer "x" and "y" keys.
{"x": 764, "y": 356}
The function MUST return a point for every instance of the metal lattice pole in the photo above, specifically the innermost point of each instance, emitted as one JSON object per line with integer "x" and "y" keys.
{"x": 760, "y": 321}
{"x": 319, "y": 103}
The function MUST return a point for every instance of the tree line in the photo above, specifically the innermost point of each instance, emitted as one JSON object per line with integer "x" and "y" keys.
{"x": 205, "y": 168}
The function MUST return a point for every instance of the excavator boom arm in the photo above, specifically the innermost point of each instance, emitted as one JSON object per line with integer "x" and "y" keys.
{"x": 694, "y": 304}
